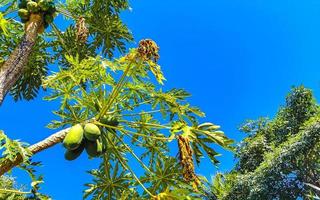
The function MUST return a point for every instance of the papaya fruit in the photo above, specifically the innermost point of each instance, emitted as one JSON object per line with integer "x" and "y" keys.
{"x": 93, "y": 149}
{"x": 23, "y": 14}
{"x": 74, "y": 137}
{"x": 33, "y": 7}
{"x": 74, "y": 154}
{"x": 91, "y": 131}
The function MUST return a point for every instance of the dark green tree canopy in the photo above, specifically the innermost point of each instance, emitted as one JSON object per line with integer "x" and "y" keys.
{"x": 279, "y": 156}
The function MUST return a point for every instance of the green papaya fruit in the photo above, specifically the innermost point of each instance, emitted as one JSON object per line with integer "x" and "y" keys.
{"x": 74, "y": 154}
{"x": 93, "y": 149}
{"x": 44, "y": 5}
{"x": 23, "y": 14}
{"x": 33, "y": 7}
{"x": 74, "y": 137}
{"x": 48, "y": 19}
{"x": 91, "y": 131}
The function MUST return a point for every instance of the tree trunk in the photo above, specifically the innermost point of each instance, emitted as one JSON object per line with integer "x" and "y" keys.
{"x": 12, "y": 69}
{"x": 50, "y": 141}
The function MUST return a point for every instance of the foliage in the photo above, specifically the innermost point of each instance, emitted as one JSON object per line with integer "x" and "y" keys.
{"x": 313, "y": 194}
{"x": 30, "y": 81}
{"x": 103, "y": 20}
{"x": 3, "y": 25}
{"x": 13, "y": 148}
{"x": 278, "y": 156}
{"x": 28, "y": 85}
{"x": 92, "y": 85}
{"x": 8, "y": 189}
{"x": 7, "y": 41}
{"x": 107, "y": 31}
{"x": 138, "y": 105}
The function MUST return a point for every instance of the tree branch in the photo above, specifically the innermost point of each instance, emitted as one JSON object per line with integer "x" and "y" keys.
{"x": 12, "y": 69}
{"x": 50, "y": 141}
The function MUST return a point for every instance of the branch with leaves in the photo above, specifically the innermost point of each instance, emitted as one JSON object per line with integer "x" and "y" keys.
{"x": 121, "y": 100}
{"x": 82, "y": 90}
{"x": 11, "y": 161}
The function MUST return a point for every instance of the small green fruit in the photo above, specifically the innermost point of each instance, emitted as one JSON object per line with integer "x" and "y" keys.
{"x": 74, "y": 154}
{"x": 74, "y": 137}
{"x": 91, "y": 131}
{"x": 93, "y": 149}
{"x": 33, "y": 7}
{"x": 23, "y": 14}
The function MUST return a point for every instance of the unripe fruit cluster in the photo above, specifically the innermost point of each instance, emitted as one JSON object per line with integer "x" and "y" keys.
{"x": 79, "y": 138}
{"x": 45, "y": 7}
{"x": 86, "y": 137}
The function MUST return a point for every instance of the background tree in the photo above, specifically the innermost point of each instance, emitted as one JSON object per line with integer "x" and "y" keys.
{"x": 279, "y": 156}
{"x": 121, "y": 109}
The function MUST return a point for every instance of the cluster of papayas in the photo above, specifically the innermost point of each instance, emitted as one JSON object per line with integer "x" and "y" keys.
{"x": 83, "y": 137}
{"x": 87, "y": 137}
{"x": 45, "y": 7}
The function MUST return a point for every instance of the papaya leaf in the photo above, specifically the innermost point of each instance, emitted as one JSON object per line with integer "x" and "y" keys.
{"x": 3, "y": 24}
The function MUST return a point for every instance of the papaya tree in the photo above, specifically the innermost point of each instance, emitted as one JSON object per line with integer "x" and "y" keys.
{"x": 114, "y": 109}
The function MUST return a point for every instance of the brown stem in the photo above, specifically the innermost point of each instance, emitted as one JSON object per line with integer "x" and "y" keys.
{"x": 50, "y": 141}
{"x": 12, "y": 69}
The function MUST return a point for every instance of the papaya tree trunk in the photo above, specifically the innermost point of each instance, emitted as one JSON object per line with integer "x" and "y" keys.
{"x": 12, "y": 69}
{"x": 7, "y": 164}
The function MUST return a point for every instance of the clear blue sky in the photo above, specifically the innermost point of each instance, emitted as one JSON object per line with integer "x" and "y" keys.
{"x": 238, "y": 58}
